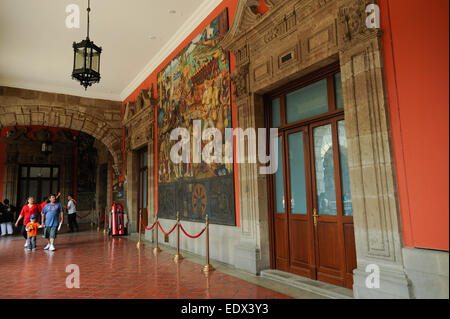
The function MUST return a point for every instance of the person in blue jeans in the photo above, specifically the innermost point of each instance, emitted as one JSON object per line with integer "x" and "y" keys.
{"x": 52, "y": 216}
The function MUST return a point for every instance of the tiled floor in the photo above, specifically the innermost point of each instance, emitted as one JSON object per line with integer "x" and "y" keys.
{"x": 111, "y": 268}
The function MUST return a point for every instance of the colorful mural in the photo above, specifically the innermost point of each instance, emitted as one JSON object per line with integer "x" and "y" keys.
{"x": 195, "y": 85}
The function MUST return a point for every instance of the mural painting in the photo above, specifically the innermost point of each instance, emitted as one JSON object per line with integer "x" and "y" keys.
{"x": 195, "y": 85}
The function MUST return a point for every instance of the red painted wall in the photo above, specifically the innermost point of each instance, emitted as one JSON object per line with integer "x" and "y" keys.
{"x": 231, "y": 5}
{"x": 416, "y": 57}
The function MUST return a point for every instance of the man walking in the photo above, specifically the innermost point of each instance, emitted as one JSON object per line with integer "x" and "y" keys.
{"x": 72, "y": 213}
{"x": 52, "y": 216}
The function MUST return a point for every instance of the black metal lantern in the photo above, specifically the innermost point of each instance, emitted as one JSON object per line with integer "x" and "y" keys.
{"x": 86, "y": 59}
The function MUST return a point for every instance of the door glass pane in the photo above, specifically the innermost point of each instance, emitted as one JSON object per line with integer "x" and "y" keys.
{"x": 276, "y": 118}
{"x": 24, "y": 171}
{"x": 32, "y": 190}
{"x": 279, "y": 180}
{"x": 45, "y": 190}
{"x": 338, "y": 90}
{"x": 345, "y": 176}
{"x": 55, "y": 171}
{"x": 308, "y": 101}
{"x": 39, "y": 171}
{"x": 297, "y": 173}
{"x": 324, "y": 166}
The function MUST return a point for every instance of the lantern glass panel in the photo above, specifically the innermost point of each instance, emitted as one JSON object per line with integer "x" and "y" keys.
{"x": 88, "y": 58}
{"x": 95, "y": 61}
{"x": 79, "y": 59}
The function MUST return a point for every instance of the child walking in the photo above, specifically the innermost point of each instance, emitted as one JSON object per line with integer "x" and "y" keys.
{"x": 31, "y": 229}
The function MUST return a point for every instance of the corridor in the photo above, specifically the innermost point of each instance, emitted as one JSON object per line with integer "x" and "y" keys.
{"x": 111, "y": 268}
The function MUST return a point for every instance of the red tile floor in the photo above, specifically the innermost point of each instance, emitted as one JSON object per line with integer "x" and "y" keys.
{"x": 111, "y": 268}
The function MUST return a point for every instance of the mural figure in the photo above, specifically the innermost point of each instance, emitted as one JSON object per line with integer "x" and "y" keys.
{"x": 195, "y": 85}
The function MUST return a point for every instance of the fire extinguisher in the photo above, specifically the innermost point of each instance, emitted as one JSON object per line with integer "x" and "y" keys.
{"x": 117, "y": 219}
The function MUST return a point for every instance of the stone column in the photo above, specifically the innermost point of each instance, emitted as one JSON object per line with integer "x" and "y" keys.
{"x": 132, "y": 176}
{"x": 371, "y": 159}
{"x": 151, "y": 184}
{"x": 252, "y": 186}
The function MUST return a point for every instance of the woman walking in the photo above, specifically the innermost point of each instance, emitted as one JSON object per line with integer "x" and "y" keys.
{"x": 29, "y": 209}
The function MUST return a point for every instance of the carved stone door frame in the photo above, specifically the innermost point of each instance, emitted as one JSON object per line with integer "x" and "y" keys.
{"x": 295, "y": 38}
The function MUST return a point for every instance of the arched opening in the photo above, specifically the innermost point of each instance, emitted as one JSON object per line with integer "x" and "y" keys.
{"x": 78, "y": 165}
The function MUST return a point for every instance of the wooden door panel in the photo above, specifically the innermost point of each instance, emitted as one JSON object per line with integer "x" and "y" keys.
{"x": 350, "y": 249}
{"x": 328, "y": 246}
{"x": 300, "y": 242}
{"x": 281, "y": 244}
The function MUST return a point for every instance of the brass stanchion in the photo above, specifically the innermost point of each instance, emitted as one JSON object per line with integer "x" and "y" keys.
{"x": 207, "y": 268}
{"x": 139, "y": 244}
{"x": 177, "y": 258}
{"x": 156, "y": 250}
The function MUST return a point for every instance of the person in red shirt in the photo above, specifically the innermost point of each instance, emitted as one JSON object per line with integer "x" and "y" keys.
{"x": 29, "y": 209}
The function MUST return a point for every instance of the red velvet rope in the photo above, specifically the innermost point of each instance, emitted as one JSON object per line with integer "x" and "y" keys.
{"x": 146, "y": 226}
{"x": 160, "y": 227}
{"x": 190, "y": 235}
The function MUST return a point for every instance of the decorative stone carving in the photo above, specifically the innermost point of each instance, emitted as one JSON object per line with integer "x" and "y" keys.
{"x": 282, "y": 27}
{"x": 16, "y": 136}
{"x": 139, "y": 119}
{"x": 239, "y": 77}
{"x": 352, "y": 22}
{"x": 42, "y": 135}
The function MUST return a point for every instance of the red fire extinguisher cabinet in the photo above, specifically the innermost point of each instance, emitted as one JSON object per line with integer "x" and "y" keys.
{"x": 117, "y": 220}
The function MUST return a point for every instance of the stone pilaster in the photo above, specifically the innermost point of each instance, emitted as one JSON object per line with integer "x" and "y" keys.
{"x": 371, "y": 161}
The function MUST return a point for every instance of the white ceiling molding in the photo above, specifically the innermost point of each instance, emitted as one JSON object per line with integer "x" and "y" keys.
{"x": 186, "y": 29}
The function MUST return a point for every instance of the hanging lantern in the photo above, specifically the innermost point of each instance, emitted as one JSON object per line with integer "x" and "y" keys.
{"x": 86, "y": 59}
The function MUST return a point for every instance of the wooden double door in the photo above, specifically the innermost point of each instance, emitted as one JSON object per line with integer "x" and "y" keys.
{"x": 312, "y": 220}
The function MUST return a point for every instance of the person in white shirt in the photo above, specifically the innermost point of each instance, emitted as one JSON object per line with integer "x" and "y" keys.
{"x": 72, "y": 213}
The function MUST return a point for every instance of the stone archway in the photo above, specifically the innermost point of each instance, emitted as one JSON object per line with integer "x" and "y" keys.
{"x": 96, "y": 117}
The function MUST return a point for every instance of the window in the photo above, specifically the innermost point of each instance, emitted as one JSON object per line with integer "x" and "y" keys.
{"x": 307, "y": 101}
{"x": 37, "y": 181}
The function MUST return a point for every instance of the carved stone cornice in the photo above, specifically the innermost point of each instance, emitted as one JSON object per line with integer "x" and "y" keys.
{"x": 245, "y": 18}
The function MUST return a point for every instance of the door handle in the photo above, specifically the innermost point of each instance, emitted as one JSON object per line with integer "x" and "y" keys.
{"x": 315, "y": 215}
